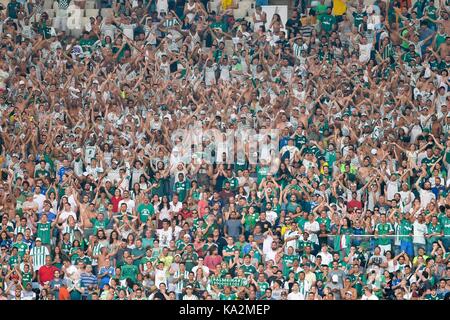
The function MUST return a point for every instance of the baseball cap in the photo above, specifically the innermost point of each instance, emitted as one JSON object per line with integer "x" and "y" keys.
{"x": 38, "y": 239}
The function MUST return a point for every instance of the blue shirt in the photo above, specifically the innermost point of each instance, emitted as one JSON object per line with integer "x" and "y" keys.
{"x": 88, "y": 280}
{"x": 62, "y": 171}
{"x": 437, "y": 189}
{"x": 50, "y": 216}
{"x": 105, "y": 280}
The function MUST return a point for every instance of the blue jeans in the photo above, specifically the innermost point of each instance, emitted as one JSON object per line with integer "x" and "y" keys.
{"x": 407, "y": 246}
{"x": 446, "y": 243}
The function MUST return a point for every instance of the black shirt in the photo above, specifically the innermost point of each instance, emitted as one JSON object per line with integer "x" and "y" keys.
{"x": 265, "y": 225}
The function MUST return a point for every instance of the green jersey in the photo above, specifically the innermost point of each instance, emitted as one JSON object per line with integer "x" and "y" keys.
{"x": 85, "y": 259}
{"x": 445, "y": 223}
{"x": 233, "y": 183}
{"x": 432, "y": 12}
{"x": 299, "y": 140}
{"x": 434, "y": 229}
{"x": 358, "y": 18}
{"x": 181, "y": 188}
{"x": 231, "y": 296}
{"x": 13, "y": 260}
{"x": 97, "y": 224}
{"x": 327, "y": 22}
{"x": 229, "y": 249}
{"x": 405, "y": 229}
{"x": 301, "y": 244}
{"x": 384, "y": 229}
{"x": 248, "y": 269}
{"x": 41, "y": 173}
{"x": 145, "y": 212}
{"x": 262, "y": 172}
{"x": 21, "y": 248}
{"x": 44, "y": 232}
{"x": 129, "y": 271}
{"x": 287, "y": 263}
{"x": 250, "y": 221}
{"x": 262, "y": 287}
{"x": 27, "y": 277}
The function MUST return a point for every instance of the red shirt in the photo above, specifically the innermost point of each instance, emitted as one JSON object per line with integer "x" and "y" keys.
{"x": 202, "y": 204}
{"x": 46, "y": 273}
{"x": 186, "y": 214}
{"x": 354, "y": 204}
{"x": 115, "y": 202}
{"x": 212, "y": 261}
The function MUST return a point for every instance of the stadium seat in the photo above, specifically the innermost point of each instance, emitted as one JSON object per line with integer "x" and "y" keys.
{"x": 76, "y": 32}
{"x": 84, "y": 22}
{"x": 229, "y": 46}
{"x": 245, "y": 5}
{"x": 214, "y": 5}
{"x": 91, "y": 12}
{"x": 48, "y": 4}
{"x": 107, "y": 12}
{"x": 90, "y": 5}
{"x": 51, "y": 13}
{"x": 55, "y": 5}
{"x": 240, "y": 13}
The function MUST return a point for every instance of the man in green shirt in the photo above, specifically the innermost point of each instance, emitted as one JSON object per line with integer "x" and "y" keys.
{"x": 321, "y": 9}
{"x": 228, "y": 250}
{"x": 327, "y": 21}
{"x": 406, "y": 231}
{"x": 434, "y": 233}
{"x": 381, "y": 230}
{"x": 247, "y": 267}
{"x": 41, "y": 171}
{"x": 431, "y": 13}
{"x": 444, "y": 220}
{"x": 231, "y": 179}
{"x": 20, "y": 245}
{"x": 44, "y": 229}
{"x": 303, "y": 242}
{"x": 145, "y": 210}
{"x": 358, "y": 16}
{"x": 14, "y": 258}
{"x": 87, "y": 42}
{"x": 99, "y": 223}
{"x": 249, "y": 220}
{"x": 129, "y": 270}
{"x": 12, "y": 9}
{"x": 181, "y": 187}
{"x": 227, "y": 294}
{"x": 138, "y": 252}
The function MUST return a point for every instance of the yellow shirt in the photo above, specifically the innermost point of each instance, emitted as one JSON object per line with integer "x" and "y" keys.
{"x": 339, "y": 7}
{"x": 226, "y": 4}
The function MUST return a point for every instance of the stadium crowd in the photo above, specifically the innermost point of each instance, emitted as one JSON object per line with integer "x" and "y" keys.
{"x": 98, "y": 202}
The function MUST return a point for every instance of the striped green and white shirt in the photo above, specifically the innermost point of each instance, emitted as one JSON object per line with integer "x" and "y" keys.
{"x": 298, "y": 49}
{"x": 170, "y": 23}
{"x": 179, "y": 286}
{"x": 71, "y": 232}
{"x": 388, "y": 51}
{"x": 20, "y": 229}
{"x": 95, "y": 252}
{"x": 38, "y": 255}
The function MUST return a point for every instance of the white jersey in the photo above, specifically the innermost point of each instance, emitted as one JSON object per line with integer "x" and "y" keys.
{"x": 38, "y": 255}
{"x": 419, "y": 230}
